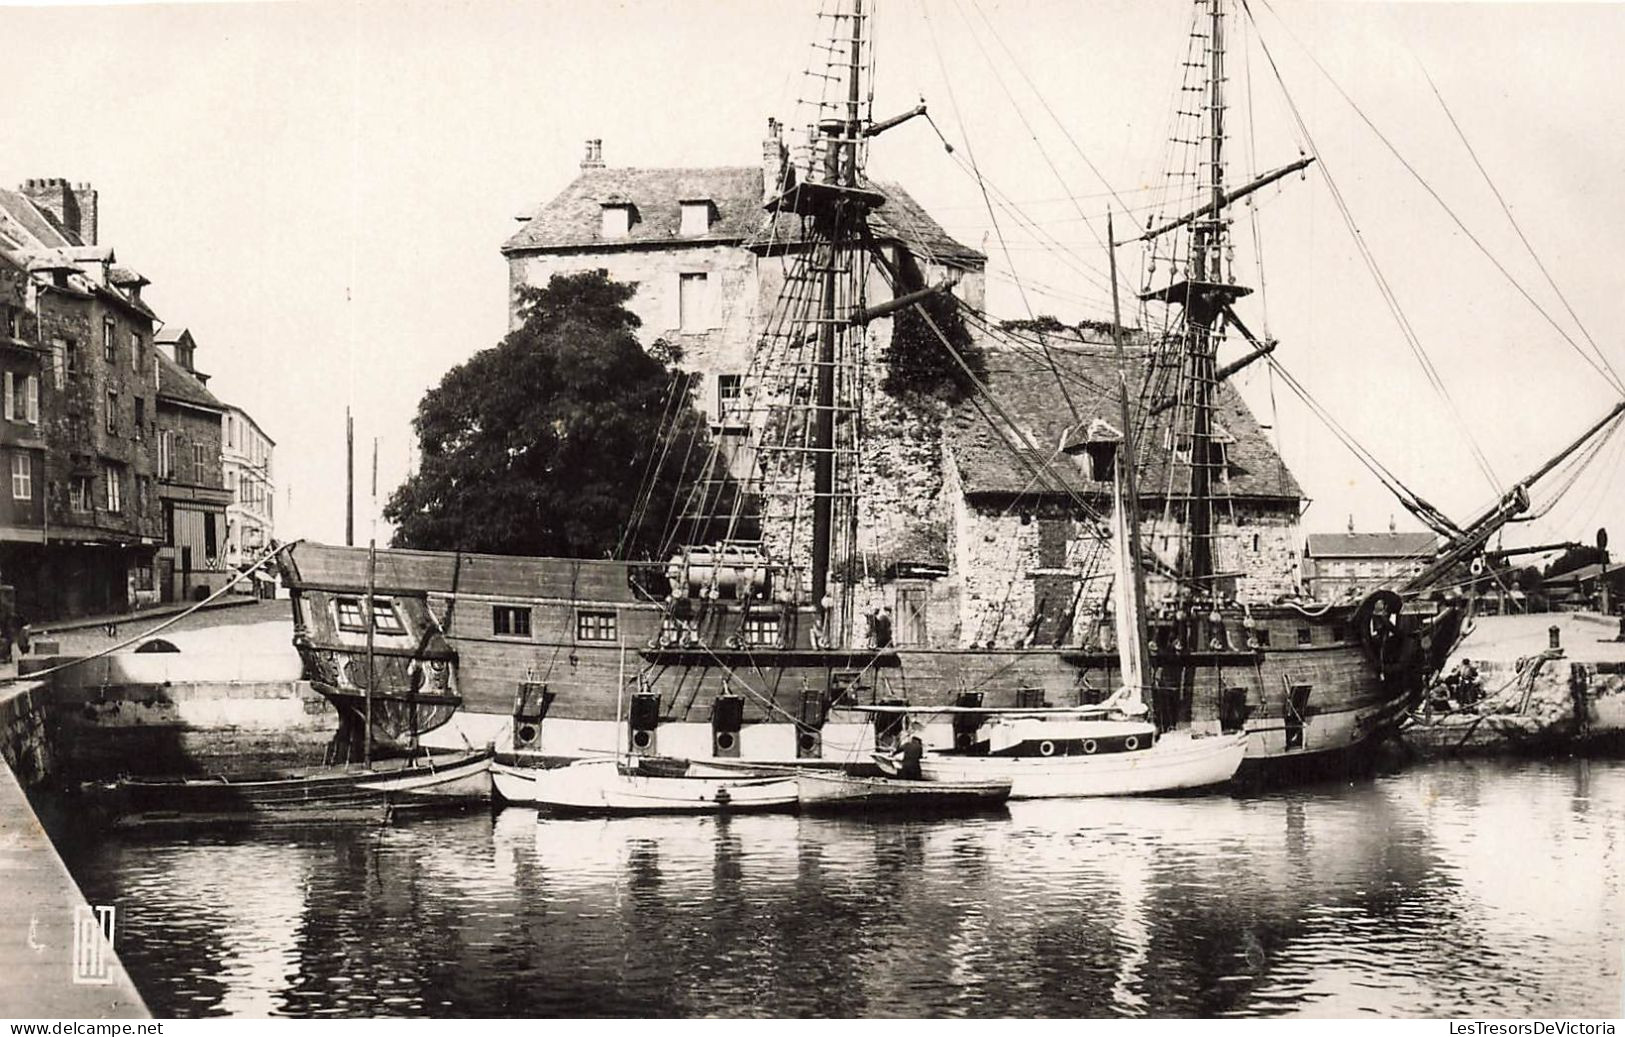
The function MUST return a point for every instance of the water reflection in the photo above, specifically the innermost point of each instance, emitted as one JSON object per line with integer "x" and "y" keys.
{"x": 1473, "y": 889}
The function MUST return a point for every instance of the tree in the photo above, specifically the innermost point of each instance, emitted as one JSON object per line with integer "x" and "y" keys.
{"x": 1576, "y": 557}
{"x": 918, "y": 366}
{"x": 568, "y": 438}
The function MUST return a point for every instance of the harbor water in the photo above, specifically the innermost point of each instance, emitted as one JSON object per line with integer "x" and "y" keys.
{"x": 1464, "y": 889}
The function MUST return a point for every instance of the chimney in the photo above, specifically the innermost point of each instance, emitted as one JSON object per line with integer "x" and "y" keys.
{"x": 1351, "y": 522}
{"x": 775, "y": 162}
{"x": 595, "y": 155}
{"x": 73, "y": 206}
{"x": 1392, "y": 528}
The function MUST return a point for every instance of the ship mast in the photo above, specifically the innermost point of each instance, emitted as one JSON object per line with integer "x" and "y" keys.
{"x": 1205, "y": 294}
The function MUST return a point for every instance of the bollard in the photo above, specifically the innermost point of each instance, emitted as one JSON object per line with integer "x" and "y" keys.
{"x": 1554, "y": 637}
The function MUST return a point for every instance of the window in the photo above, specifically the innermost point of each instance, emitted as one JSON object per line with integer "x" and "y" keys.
{"x": 616, "y": 221}
{"x": 140, "y": 418}
{"x": 232, "y": 487}
{"x": 135, "y": 351}
{"x": 115, "y": 487}
{"x": 59, "y": 361}
{"x": 762, "y": 630}
{"x": 696, "y": 218}
{"x": 112, "y": 413}
{"x": 595, "y": 626}
{"x": 22, "y": 477}
{"x": 691, "y": 302}
{"x": 1304, "y": 636}
{"x": 199, "y": 463}
{"x": 166, "y": 454}
{"x": 21, "y": 398}
{"x": 143, "y": 578}
{"x": 10, "y": 400}
{"x": 211, "y": 540}
{"x": 910, "y": 629}
{"x": 384, "y": 618}
{"x": 510, "y": 620}
{"x": 79, "y": 494}
{"x": 728, "y": 389}
{"x": 142, "y": 494}
{"x": 1261, "y": 637}
{"x": 109, "y": 333}
{"x": 350, "y": 617}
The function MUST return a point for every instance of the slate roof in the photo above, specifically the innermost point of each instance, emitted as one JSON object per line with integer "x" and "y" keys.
{"x": 573, "y": 219}
{"x": 174, "y": 383}
{"x": 1371, "y": 545}
{"x": 990, "y": 462}
{"x": 25, "y": 225}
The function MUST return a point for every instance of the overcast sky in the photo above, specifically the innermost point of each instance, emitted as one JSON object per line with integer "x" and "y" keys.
{"x": 319, "y": 192}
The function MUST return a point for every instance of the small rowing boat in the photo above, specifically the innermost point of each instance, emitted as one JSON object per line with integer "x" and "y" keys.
{"x": 605, "y": 787}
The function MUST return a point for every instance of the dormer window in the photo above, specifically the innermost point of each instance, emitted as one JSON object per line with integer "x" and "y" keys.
{"x": 617, "y": 221}
{"x": 696, "y": 217}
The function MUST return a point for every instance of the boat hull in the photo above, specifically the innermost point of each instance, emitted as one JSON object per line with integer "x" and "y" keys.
{"x": 600, "y": 787}
{"x": 318, "y": 795}
{"x": 1313, "y": 696}
{"x": 836, "y": 792}
{"x": 1176, "y": 763}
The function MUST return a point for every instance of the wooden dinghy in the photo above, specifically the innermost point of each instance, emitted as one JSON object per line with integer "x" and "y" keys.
{"x": 314, "y": 795}
{"x": 605, "y": 787}
{"x": 836, "y": 791}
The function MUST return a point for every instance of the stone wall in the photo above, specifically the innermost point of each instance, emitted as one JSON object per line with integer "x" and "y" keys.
{"x": 1010, "y": 557}
{"x": 24, "y": 742}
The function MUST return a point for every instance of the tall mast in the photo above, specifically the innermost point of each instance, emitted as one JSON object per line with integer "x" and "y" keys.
{"x": 1204, "y": 295}
{"x": 1133, "y": 656}
{"x": 842, "y": 170}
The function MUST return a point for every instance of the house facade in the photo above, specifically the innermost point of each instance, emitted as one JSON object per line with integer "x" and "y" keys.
{"x": 191, "y": 482}
{"x": 250, "y": 480}
{"x": 83, "y": 523}
{"x": 1341, "y": 565}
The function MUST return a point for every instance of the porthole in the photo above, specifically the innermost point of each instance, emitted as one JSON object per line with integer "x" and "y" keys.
{"x": 1089, "y": 746}
{"x": 642, "y": 739}
{"x": 1131, "y": 743}
{"x": 725, "y": 740}
{"x": 1046, "y": 748}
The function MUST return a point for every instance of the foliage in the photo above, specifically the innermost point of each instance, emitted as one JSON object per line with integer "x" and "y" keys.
{"x": 918, "y": 366}
{"x": 1576, "y": 557}
{"x": 543, "y": 444}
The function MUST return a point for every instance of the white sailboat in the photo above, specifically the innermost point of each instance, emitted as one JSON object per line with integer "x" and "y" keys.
{"x": 1112, "y": 750}
{"x": 606, "y": 787}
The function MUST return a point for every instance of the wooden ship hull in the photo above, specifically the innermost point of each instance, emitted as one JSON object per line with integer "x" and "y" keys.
{"x": 1308, "y": 691}
{"x": 313, "y": 795}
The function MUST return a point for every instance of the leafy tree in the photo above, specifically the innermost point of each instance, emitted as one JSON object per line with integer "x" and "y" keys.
{"x": 918, "y": 366}
{"x": 1577, "y": 557}
{"x": 557, "y": 440}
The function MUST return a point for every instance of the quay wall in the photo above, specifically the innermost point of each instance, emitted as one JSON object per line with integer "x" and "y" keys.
{"x": 40, "y": 904}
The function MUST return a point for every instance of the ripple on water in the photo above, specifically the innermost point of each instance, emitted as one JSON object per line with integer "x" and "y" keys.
{"x": 1394, "y": 897}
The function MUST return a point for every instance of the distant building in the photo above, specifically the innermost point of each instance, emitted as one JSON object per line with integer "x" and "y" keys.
{"x": 1340, "y": 565}
{"x": 79, "y": 523}
{"x": 1581, "y": 589}
{"x": 191, "y": 485}
{"x": 246, "y": 460}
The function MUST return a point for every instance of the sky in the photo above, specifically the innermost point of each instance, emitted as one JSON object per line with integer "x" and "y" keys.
{"x": 320, "y": 190}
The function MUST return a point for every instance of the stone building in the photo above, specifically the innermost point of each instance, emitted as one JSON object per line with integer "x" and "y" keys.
{"x": 708, "y": 262}
{"x": 191, "y": 485}
{"x": 956, "y": 537}
{"x": 246, "y": 462}
{"x": 1339, "y": 565}
{"x": 83, "y": 526}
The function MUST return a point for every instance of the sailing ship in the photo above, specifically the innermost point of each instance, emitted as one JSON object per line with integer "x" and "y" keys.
{"x": 749, "y": 643}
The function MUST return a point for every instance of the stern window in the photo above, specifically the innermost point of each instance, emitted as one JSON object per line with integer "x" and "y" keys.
{"x": 510, "y": 621}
